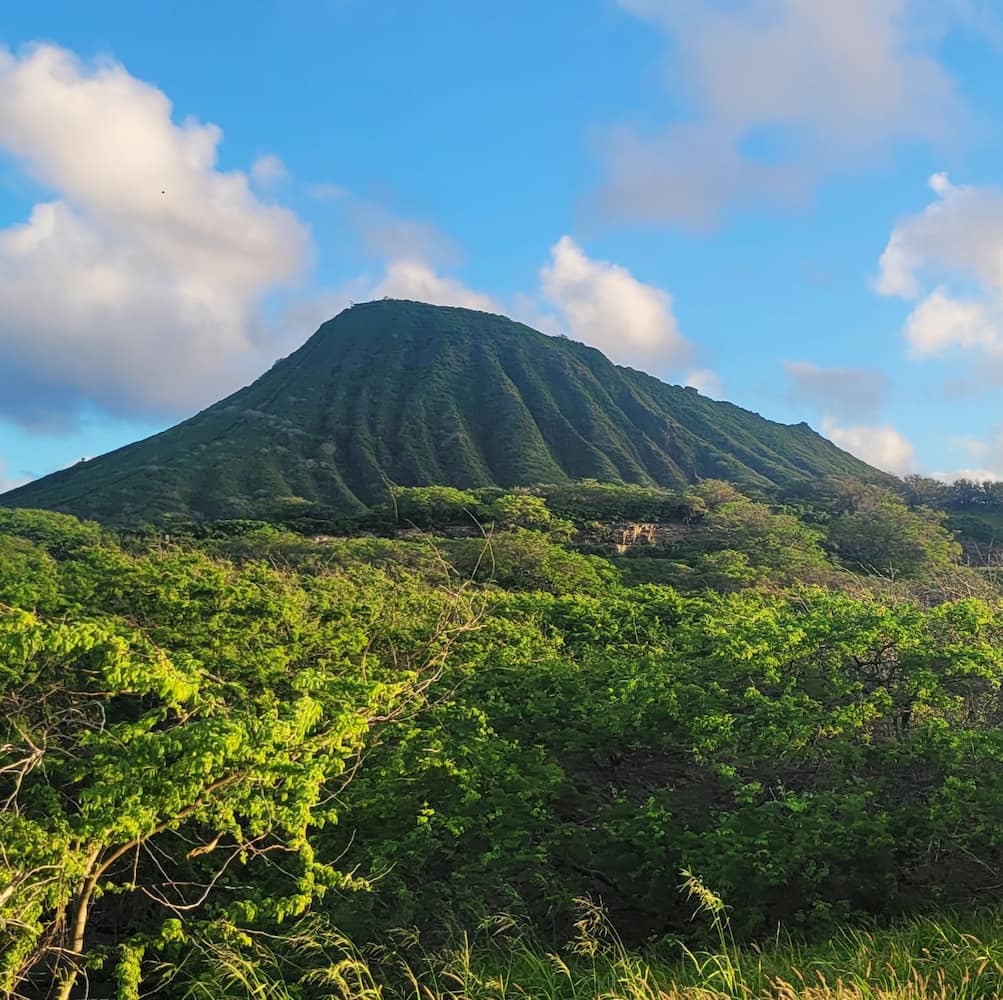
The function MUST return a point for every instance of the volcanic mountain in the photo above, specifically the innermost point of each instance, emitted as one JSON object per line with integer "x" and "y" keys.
{"x": 400, "y": 392}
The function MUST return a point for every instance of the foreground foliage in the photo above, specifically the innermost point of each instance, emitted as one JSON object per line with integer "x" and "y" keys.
{"x": 168, "y": 721}
{"x": 948, "y": 958}
{"x": 221, "y": 752}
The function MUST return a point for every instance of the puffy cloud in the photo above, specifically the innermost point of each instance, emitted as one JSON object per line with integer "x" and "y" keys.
{"x": 956, "y": 240}
{"x": 883, "y": 447}
{"x": 941, "y": 322}
{"x": 593, "y": 301}
{"x": 401, "y": 279}
{"x": 707, "y": 381}
{"x": 135, "y": 287}
{"x": 977, "y": 475}
{"x": 415, "y": 279}
{"x": 527, "y": 309}
{"x": 605, "y": 306}
{"x": 780, "y": 93}
{"x": 841, "y": 391}
{"x": 961, "y": 232}
{"x": 268, "y": 170}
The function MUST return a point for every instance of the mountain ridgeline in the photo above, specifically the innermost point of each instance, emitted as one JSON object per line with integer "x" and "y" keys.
{"x": 401, "y": 392}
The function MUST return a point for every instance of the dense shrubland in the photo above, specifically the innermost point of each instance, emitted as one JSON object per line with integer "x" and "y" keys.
{"x": 223, "y": 746}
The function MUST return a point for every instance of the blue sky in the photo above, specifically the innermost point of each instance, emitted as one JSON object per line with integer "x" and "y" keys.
{"x": 795, "y": 206}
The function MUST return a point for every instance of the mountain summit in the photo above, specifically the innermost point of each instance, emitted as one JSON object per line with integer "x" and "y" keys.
{"x": 413, "y": 394}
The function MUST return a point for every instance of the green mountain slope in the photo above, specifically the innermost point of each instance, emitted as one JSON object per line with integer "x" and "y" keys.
{"x": 414, "y": 394}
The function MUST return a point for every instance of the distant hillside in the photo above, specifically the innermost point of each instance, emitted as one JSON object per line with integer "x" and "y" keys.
{"x": 414, "y": 394}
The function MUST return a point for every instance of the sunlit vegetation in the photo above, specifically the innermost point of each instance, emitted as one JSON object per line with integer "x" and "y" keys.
{"x": 465, "y": 746}
{"x": 411, "y": 393}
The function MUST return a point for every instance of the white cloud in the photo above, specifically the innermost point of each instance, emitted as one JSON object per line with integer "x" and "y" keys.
{"x": 268, "y": 170}
{"x": 527, "y": 309}
{"x": 956, "y": 241}
{"x": 593, "y": 301}
{"x": 841, "y": 391}
{"x": 941, "y": 322}
{"x": 977, "y": 475}
{"x": 415, "y": 279}
{"x": 897, "y": 267}
{"x": 707, "y": 381}
{"x": 940, "y": 184}
{"x": 401, "y": 279}
{"x": 883, "y": 447}
{"x": 779, "y": 94}
{"x": 135, "y": 286}
{"x": 960, "y": 233}
{"x": 604, "y": 305}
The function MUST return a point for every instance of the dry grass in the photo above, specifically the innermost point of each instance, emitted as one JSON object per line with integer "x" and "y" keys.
{"x": 941, "y": 958}
{"x": 929, "y": 959}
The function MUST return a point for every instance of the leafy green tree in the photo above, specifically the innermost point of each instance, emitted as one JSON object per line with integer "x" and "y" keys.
{"x": 29, "y": 576}
{"x": 884, "y": 536}
{"x": 179, "y": 724}
{"x": 831, "y": 495}
{"x": 517, "y": 510}
{"x": 175, "y": 730}
{"x": 529, "y": 560}
{"x": 725, "y": 571}
{"x": 922, "y": 491}
{"x": 716, "y": 493}
{"x": 588, "y": 500}
{"x": 60, "y": 534}
{"x": 966, "y": 494}
{"x": 432, "y": 506}
{"x": 779, "y": 545}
